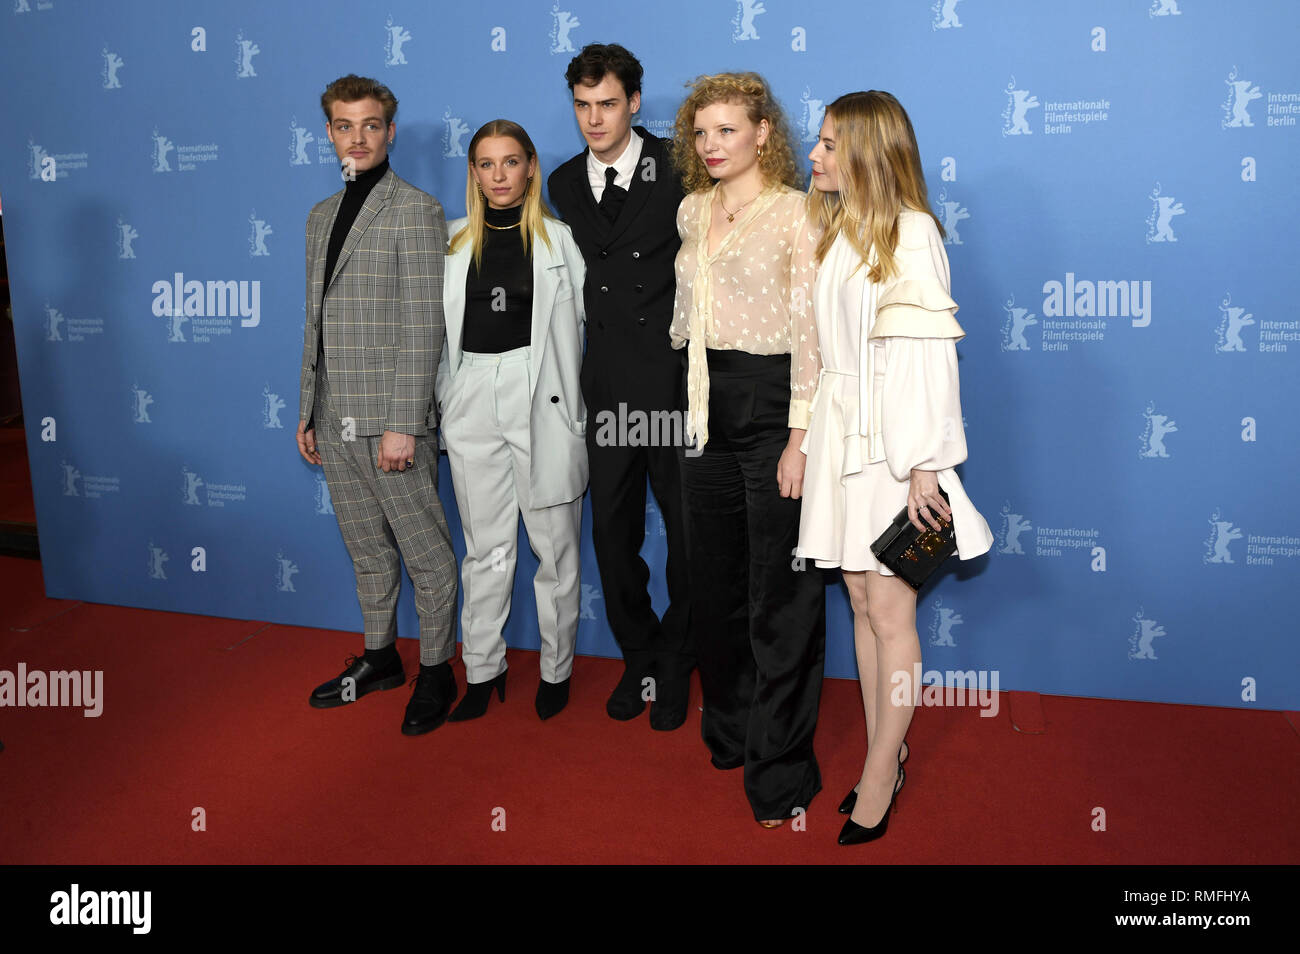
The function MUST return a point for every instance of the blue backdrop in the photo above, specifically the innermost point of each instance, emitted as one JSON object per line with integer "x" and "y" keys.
{"x": 1118, "y": 182}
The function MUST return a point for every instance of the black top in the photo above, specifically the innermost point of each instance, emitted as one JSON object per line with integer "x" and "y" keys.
{"x": 499, "y": 295}
{"x": 354, "y": 197}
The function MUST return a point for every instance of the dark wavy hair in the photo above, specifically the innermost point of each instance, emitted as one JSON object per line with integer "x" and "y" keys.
{"x": 596, "y": 59}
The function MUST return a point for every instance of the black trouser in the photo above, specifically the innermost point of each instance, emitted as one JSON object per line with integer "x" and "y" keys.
{"x": 758, "y": 617}
{"x": 618, "y": 529}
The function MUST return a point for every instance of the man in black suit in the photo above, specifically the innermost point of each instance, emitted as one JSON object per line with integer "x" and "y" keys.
{"x": 620, "y": 197}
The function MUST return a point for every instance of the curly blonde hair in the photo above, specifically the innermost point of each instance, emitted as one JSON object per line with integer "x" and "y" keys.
{"x": 777, "y": 163}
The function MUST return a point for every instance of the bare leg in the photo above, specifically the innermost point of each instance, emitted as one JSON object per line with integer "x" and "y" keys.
{"x": 864, "y": 644}
{"x": 891, "y": 614}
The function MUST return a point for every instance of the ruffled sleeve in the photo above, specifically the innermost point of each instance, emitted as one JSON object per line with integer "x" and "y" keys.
{"x": 921, "y": 406}
{"x": 920, "y": 401}
{"x": 915, "y": 301}
{"x": 923, "y": 428}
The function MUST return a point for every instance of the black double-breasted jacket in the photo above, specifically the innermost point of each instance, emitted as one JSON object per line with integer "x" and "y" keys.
{"x": 630, "y": 280}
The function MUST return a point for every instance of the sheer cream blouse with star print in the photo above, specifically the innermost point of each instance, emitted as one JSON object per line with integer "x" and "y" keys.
{"x": 754, "y": 294}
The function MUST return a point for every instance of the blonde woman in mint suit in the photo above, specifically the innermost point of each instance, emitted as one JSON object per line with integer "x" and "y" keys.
{"x": 513, "y": 417}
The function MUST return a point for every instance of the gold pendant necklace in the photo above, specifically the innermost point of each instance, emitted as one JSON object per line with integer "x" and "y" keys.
{"x": 731, "y": 216}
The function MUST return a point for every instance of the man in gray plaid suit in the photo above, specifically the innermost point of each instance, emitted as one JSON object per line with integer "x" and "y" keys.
{"x": 374, "y": 334}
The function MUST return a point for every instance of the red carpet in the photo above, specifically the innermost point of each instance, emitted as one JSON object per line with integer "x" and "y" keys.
{"x": 213, "y": 713}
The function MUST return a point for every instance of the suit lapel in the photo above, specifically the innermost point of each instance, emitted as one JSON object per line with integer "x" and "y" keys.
{"x": 586, "y": 201}
{"x": 456, "y": 266}
{"x": 546, "y": 285}
{"x": 379, "y": 195}
{"x": 320, "y": 250}
{"x": 636, "y": 200}
{"x": 640, "y": 187}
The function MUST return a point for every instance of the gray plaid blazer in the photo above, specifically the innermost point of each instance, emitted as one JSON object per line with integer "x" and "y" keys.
{"x": 383, "y": 306}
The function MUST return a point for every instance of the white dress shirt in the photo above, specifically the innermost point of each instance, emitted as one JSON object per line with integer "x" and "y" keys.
{"x": 625, "y": 166}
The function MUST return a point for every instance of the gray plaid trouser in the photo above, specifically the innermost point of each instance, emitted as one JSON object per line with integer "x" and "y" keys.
{"x": 384, "y": 514}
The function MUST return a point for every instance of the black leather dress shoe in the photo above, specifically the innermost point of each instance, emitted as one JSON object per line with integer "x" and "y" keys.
{"x": 365, "y": 677}
{"x": 625, "y": 701}
{"x": 435, "y": 691}
{"x": 476, "y": 698}
{"x": 672, "y": 693}
{"x": 551, "y": 698}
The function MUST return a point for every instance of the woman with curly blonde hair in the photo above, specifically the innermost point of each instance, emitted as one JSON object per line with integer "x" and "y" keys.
{"x": 742, "y": 313}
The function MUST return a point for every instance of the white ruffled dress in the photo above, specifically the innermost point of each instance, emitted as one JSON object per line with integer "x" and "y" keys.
{"x": 887, "y": 401}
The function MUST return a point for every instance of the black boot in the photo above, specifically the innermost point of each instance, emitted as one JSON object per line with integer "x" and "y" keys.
{"x": 625, "y": 701}
{"x": 551, "y": 698}
{"x": 435, "y": 691}
{"x": 672, "y": 694}
{"x": 476, "y": 698}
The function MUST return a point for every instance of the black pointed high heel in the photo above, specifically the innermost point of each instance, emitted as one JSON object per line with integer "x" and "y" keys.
{"x": 854, "y": 834}
{"x": 476, "y": 698}
{"x": 851, "y": 799}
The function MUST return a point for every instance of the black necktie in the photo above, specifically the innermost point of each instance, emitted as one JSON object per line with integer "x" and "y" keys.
{"x": 612, "y": 199}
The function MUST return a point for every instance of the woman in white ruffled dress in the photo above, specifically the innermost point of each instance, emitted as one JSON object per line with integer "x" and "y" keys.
{"x": 886, "y": 428}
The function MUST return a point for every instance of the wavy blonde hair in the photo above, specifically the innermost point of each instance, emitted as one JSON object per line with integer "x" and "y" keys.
{"x": 880, "y": 174}
{"x": 532, "y": 219}
{"x": 777, "y": 163}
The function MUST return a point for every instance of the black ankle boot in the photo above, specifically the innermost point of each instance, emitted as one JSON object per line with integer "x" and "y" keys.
{"x": 476, "y": 698}
{"x": 551, "y": 698}
{"x": 626, "y": 702}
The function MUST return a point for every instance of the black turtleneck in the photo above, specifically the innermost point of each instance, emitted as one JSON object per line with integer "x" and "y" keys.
{"x": 499, "y": 294}
{"x": 354, "y": 197}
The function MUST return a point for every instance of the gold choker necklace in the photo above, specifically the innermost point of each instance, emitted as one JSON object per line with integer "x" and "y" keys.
{"x": 500, "y": 228}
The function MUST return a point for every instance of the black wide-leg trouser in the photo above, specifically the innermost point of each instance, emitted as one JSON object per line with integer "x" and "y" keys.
{"x": 758, "y": 615}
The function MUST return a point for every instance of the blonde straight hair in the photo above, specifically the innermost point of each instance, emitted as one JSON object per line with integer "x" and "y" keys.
{"x": 532, "y": 219}
{"x": 880, "y": 174}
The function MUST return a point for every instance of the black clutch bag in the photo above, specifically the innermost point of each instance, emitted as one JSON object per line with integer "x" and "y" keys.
{"x": 912, "y": 554}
